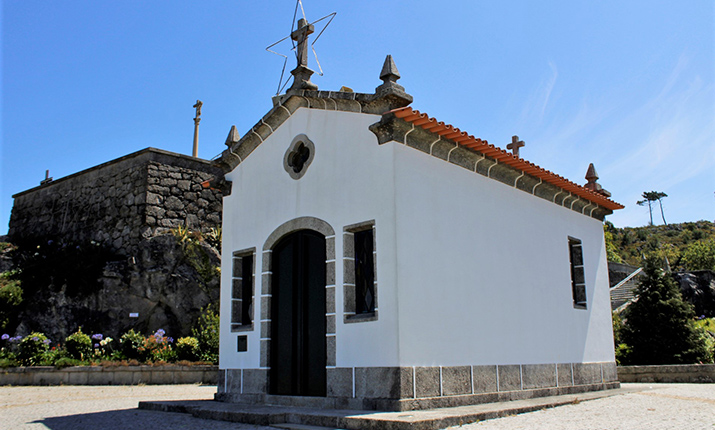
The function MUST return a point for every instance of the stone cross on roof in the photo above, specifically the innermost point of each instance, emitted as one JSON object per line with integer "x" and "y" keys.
{"x": 301, "y": 74}
{"x": 515, "y": 145}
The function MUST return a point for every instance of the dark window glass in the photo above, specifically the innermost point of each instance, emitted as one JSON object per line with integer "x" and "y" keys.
{"x": 242, "y": 291}
{"x": 578, "y": 279}
{"x": 247, "y": 293}
{"x": 364, "y": 272}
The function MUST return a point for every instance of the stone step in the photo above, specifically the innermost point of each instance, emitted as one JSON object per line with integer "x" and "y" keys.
{"x": 289, "y": 426}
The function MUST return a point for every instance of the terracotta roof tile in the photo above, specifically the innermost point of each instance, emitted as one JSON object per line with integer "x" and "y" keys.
{"x": 468, "y": 141}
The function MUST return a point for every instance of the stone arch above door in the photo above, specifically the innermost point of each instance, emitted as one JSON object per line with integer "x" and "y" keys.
{"x": 302, "y": 223}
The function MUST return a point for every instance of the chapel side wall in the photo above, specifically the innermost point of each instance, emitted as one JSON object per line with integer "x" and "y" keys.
{"x": 484, "y": 274}
{"x": 349, "y": 181}
{"x": 121, "y": 202}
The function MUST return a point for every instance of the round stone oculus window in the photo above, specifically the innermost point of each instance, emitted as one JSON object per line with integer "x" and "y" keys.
{"x": 298, "y": 156}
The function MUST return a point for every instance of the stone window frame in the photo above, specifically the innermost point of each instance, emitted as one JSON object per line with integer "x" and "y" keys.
{"x": 299, "y": 140}
{"x": 302, "y": 223}
{"x": 237, "y": 276}
{"x": 578, "y": 289}
{"x": 349, "y": 299}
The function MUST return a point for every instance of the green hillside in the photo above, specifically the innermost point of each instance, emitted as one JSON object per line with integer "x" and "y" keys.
{"x": 686, "y": 245}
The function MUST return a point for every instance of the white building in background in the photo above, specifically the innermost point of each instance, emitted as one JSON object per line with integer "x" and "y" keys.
{"x": 375, "y": 258}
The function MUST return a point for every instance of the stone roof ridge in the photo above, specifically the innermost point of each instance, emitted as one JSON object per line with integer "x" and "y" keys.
{"x": 571, "y": 192}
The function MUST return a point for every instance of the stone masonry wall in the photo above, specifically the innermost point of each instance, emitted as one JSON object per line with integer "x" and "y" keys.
{"x": 121, "y": 202}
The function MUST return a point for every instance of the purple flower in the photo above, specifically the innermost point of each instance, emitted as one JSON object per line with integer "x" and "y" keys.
{"x": 160, "y": 332}
{"x": 96, "y": 345}
{"x": 170, "y": 339}
{"x": 15, "y": 339}
{"x": 35, "y": 338}
{"x": 49, "y": 242}
{"x": 5, "y": 336}
{"x": 97, "y": 336}
{"x": 46, "y": 341}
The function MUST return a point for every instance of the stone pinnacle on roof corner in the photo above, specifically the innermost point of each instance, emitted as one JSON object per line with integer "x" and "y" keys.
{"x": 389, "y": 75}
{"x": 592, "y": 177}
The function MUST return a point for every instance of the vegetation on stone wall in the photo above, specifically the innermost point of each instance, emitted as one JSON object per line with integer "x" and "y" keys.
{"x": 10, "y": 299}
{"x": 194, "y": 243}
{"x": 631, "y": 244}
{"x": 659, "y": 326}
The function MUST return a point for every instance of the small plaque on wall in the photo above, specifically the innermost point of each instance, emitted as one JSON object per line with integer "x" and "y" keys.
{"x": 242, "y": 343}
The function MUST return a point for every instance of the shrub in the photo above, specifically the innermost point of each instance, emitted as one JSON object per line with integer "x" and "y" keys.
{"x": 659, "y": 325}
{"x": 79, "y": 345}
{"x": 130, "y": 344}
{"x": 50, "y": 357}
{"x": 63, "y": 362}
{"x": 700, "y": 255}
{"x": 10, "y": 298}
{"x": 8, "y": 362}
{"x": 206, "y": 333}
{"x": 187, "y": 348}
{"x": 32, "y": 347}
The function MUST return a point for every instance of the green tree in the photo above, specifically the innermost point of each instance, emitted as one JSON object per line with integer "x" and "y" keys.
{"x": 699, "y": 255}
{"x": 611, "y": 248}
{"x": 659, "y": 325}
{"x": 648, "y": 198}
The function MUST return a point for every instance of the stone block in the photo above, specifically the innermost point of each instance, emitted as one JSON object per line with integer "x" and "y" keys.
{"x": 509, "y": 377}
{"x": 222, "y": 381}
{"x": 456, "y": 380}
{"x": 255, "y": 381}
{"x": 565, "y": 376}
{"x": 485, "y": 379}
{"x": 265, "y": 352}
{"x": 330, "y": 351}
{"x": 427, "y": 382}
{"x": 538, "y": 375}
{"x": 340, "y": 382}
{"x": 233, "y": 381}
{"x": 383, "y": 382}
{"x": 610, "y": 372}
{"x": 330, "y": 324}
{"x": 586, "y": 373}
{"x": 330, "y": 273}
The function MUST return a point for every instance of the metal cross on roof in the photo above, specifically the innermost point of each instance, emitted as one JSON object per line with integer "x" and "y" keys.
{"x": 515, "y": 145}
{"x": 299, "y": 38}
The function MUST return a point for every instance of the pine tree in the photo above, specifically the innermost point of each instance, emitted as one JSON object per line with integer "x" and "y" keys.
{"x": 659, "y": 325}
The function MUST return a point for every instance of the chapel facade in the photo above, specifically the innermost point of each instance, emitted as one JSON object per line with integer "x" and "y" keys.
{"x": 377, "y": 258}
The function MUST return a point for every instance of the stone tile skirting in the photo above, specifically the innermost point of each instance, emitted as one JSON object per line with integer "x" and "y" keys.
{"x": 688, "y": 373}
{"x": 411, "y": 388}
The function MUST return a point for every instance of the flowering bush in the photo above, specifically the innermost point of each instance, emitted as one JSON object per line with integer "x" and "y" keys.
{"x": 157, "y": 347}
{"x": 207, "y": 333}
{"x": 32, "y": 347}
{"x": 79, "y": 345}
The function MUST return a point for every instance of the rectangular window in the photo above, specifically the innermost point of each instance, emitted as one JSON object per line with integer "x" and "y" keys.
{"x": 578, "y": 279}
{"x": 242, "y": 291}
{"x": 359, "y": 274}
{"x": 364, "y": 273}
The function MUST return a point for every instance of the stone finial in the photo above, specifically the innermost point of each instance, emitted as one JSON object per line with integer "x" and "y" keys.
{"x": 390, "y": 87}
{"x": 592, "y": 177}
{"x": 389, "y": 71}
{"x": 233, "y": 137}
{"x": 515, "y": 145}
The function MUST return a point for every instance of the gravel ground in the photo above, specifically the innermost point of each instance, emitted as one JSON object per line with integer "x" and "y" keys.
{"x": 665, "y": 406}
{"x": 102, "y": 407}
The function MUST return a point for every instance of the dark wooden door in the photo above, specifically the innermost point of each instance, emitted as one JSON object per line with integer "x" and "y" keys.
{"x": 298, "y": 315}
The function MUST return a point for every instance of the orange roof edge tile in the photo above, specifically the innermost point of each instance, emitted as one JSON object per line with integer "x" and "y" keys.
{"x": 468, "y": 141}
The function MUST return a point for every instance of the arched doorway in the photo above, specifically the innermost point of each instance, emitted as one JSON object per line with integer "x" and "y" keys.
{"x": 298, "y": 329}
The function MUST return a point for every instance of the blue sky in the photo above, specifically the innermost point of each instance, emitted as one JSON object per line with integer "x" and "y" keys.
{"x": 629, "y": 86}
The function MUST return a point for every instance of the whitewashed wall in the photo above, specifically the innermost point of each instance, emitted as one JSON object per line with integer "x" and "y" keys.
{"x": 350, "y": 180}
{"x": 484, "y": 272}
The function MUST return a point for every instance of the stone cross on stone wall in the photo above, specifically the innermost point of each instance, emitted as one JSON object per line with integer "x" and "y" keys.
{"x": 515, "y": 145}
